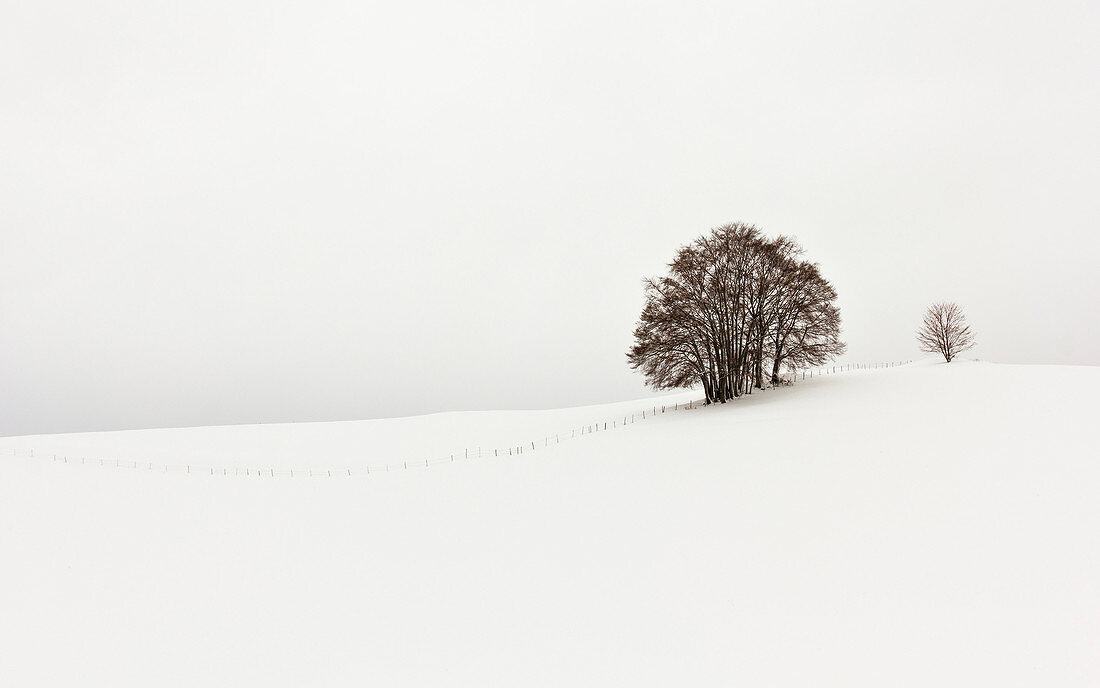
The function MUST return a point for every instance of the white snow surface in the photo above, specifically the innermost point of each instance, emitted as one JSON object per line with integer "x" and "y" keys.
{"x": 929, "y": 524}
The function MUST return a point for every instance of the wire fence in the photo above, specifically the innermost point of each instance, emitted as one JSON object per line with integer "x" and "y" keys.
{"x": 547, "y": 441}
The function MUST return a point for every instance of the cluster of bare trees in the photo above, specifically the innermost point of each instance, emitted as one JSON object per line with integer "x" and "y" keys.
{"x": 734, "y": 305}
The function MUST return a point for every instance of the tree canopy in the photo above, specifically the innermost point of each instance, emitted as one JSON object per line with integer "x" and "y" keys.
{"x": 733, "y": 302}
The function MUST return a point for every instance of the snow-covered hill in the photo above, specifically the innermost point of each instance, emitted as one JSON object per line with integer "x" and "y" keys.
{"x": 923, "y": 525}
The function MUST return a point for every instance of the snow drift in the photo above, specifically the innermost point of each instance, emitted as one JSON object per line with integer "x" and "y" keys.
{"x": 924, "y": 525}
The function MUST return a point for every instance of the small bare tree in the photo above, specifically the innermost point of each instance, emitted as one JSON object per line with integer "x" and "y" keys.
{"x": 945, "y": 330}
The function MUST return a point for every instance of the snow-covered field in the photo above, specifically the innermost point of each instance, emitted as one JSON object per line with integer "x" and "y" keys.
{"x": 927, "y": 525}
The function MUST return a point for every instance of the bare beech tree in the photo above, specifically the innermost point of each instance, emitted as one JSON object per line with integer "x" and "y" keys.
{"x": 945, "y": 330}
{"x": 734, "y": 301}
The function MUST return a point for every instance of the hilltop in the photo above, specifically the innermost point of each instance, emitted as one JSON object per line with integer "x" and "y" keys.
{"x": 924, "y": 525}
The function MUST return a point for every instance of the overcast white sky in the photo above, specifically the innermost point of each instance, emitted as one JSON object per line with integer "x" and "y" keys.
{"x": 218, "y": 212}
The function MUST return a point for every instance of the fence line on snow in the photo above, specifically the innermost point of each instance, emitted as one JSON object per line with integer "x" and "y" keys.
{"x": 544, "y": 442}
